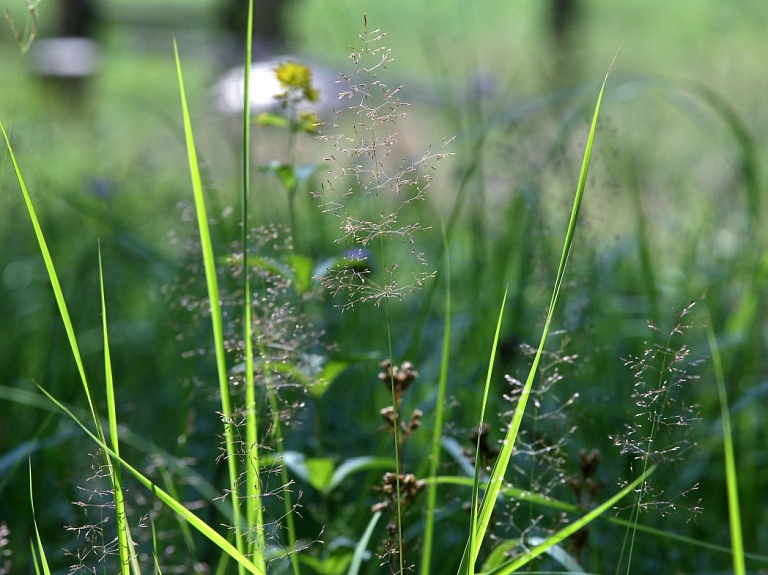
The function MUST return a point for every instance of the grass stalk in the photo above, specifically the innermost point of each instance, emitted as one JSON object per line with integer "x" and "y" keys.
{"x": 217, "y": 325}
{"x": 732, "y": 483}
{"x": 38, "y": 554}
{"x": 128, "y": 559}
{"x": 254, "y": 508}
{"x": 434, "y": 458}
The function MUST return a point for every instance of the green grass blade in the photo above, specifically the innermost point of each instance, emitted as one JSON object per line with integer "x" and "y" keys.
{"x": 254, "y": 511}
{"x": 502, "y": 462}
{"x": 172, "y": 503}
{"x": 434, "y": 462}
{"x": 362, "y": 545}
{"x": 734, "y": 511}
{"x": 55, "y": 284}
{"x": 124, "y": 540}
{"x": 43, "y": 560}
{"x": 128, "y": 559}
{"x": 216, "y": 316}
{"x": 155, "y": 553}
{"x": 570, "y": 529}
{"x": 186, "y": 532}
{"x": 476, "y": 531}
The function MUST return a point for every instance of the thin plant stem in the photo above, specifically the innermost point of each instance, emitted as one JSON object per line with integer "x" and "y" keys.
{"x": 254, "y": 509}
{"x": 434, "y": 462}
{"x": 732, "y": 481}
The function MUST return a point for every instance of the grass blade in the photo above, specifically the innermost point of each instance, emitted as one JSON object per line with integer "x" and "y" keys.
{"x": 216, "y": 316}
{"x": 500, "y": 467}
{"x": 732, "y": 482}
{"x": 434, "y": 462}
{"x": 254, "y": 510}
{"x": 43, "y": 561}
{"x": 476, "y": 531}
{"x": 362, "y": 545}
{"x": 128, "y": 559}
{"x": 124, "y": 539}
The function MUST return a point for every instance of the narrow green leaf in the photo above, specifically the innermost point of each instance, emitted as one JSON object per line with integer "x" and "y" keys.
{"x": 211, "y": 281}
{"x": 731, "y": 475}
{"x": 476, "y": 525}
{"x": 362, "y": 545}
{"x": 437, "y": 431}
{"x": 254, "y": 510}
{"x": 40, "y": 548}
{"x": 128, "y": 560}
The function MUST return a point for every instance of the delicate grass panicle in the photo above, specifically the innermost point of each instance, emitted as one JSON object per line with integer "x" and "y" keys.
{"x": 366, "y": 163}
{"x": 541, "y": 452}
{"x": 660, "y": 430}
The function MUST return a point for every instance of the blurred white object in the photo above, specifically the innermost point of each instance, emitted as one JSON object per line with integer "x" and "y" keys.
{"x": 65, "y": 57}
{"x": 228, "y": 91}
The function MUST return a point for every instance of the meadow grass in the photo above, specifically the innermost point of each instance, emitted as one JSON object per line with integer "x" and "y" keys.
{"x": 513, "y": 518}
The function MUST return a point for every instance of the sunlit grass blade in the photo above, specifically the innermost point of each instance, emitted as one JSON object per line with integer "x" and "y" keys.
{"x": 254, "y": 509}
{"x": 732, "y": 482}
{"x": 172, "y": 503}
{"x": 55, "y": 284}
{"x": 124, "y": 538}
{"x": 155, "y": 553}
{"x": 362, "y": 545}
{"x": 570, "y": 529}
{"x": 476, "y": 533}
{"x": 216, "y": 317}
{"x": 480, "y": 527}
{"x": 128, "y": 559}
{"x": 434, "y": 462}
{"x": 40, "y": 559}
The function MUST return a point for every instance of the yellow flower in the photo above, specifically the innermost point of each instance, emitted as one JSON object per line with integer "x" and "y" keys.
{"x": 296, "y": 77}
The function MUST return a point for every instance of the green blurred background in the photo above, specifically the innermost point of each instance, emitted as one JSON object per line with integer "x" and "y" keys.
{"x": 674, "y": 212}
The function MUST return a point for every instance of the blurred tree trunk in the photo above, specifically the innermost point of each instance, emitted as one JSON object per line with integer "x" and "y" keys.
{"x": 77, "y": 18}
{"x": 564, "y": 18}
{"x": 270, "y": 30}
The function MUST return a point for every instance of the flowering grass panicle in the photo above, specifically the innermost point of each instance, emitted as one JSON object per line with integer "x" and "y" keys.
{"x": 367, "y": 163}
{"x": 660, "y": 430}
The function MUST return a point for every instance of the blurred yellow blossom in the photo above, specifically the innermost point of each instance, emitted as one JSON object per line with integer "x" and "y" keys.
{"x": 296, "y": 78}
